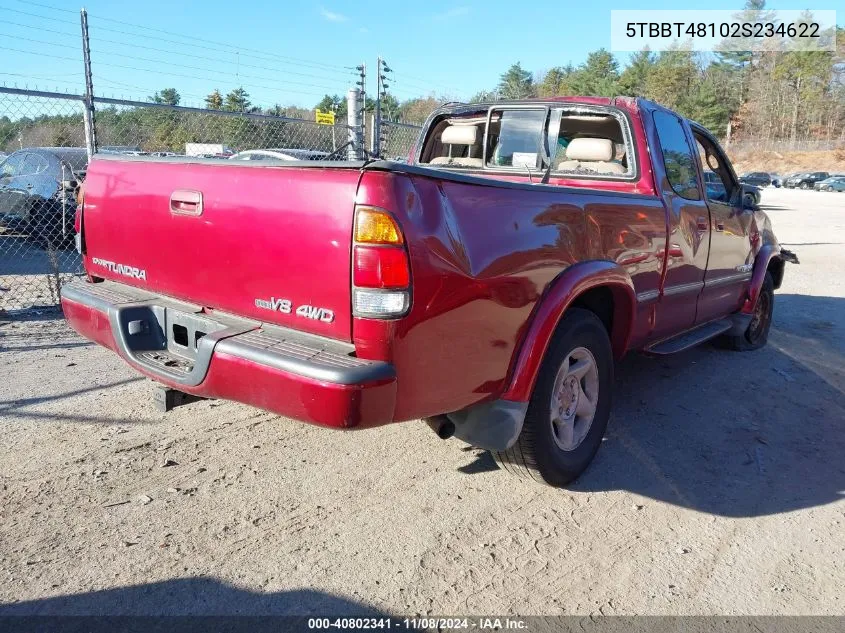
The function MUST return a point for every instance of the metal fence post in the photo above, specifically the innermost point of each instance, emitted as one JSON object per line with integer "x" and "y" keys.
{"x": 88, "y": 114}
{"x": 353, "y": 121}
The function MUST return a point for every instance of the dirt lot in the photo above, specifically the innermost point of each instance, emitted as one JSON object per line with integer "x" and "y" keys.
{"x": 720, "y": 487}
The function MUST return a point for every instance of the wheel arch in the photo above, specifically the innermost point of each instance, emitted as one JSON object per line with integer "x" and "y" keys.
{"x": 602, "y": 287}
{"x": 768, "y": 260}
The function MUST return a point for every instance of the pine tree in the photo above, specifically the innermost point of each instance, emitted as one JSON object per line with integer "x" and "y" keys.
{"x": 214, "y": 101}
{"x": 516, "y": 83}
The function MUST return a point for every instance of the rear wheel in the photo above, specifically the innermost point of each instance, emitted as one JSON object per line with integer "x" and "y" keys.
{"x": 757, "y": 333}
{"x": 804, "y": 185}
{"x": 570, "y": 406}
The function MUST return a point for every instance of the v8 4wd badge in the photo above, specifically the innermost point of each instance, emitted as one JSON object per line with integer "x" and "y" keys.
{"x": 285, "y": 306}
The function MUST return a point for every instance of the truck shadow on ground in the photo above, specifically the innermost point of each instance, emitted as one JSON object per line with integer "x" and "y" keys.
{"x": 731, "y": 433}
{"x": 190, "y": 597}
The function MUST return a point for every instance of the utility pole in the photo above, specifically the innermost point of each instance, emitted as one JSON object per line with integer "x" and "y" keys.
{"x": 88, "y": 114}
{"x": 382, "y": 86}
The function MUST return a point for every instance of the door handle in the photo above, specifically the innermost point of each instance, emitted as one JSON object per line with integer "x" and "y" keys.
{"x": 186, "y": 202}
{"x": 703, "y": 224}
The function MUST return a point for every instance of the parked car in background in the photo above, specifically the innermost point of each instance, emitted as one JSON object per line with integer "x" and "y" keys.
{"x": 756, "y": 178}
{"x": 777, "y": 181}
{"x": 206, "y": 149}
{"x": 834, "y": 183}
{"x": 716, "y": 189}
{"x": 805, "y": 180}
{"x": 280, "y": 154}
{"x": 487, "y": 286}
{"x": 38, "y": 192}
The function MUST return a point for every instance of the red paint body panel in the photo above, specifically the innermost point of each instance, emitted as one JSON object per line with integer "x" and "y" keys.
{"x": 264, "y": 232}
{"x": 495, "y": 261}
{"x": 232, "y": 378}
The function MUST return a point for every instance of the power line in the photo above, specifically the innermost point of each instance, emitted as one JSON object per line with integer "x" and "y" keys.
{"x": 206, "y": 58}
{"x": 308, "y": 62}
{"x": 17, "y": 50}
{"x": 159, "y": 61}
{"x": 234, "y": 50}
{"x": 43, "y": 30}
{"x": 47, "y": 6}
{"x": 26, "y": 39}
{"x": 334, "y": 68}
{"x": 42, "y": 17}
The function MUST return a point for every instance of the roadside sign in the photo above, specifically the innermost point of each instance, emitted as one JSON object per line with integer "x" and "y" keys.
{"x": 325, "y": 118}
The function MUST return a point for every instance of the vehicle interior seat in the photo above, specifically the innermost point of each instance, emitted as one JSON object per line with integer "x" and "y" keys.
{"x": 464, "y": 136}
{"x": 599, "y": 155}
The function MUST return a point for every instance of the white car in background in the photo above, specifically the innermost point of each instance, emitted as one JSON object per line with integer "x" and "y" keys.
{"x": 279, "y": 154}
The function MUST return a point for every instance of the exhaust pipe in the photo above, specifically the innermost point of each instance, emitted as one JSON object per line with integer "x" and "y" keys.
{"x": 442, "y": 426}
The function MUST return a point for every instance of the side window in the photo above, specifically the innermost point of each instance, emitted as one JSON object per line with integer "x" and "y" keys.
{"x": 717, "y": 183}
{"x": 677, "y": 155}
{"x": 13, "y": 166}
{"x": 514, "y": 138}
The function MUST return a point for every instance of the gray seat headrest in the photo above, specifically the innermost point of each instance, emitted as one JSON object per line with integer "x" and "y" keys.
{"x": 460, "y": 135}
{"x": 589, "y": 149}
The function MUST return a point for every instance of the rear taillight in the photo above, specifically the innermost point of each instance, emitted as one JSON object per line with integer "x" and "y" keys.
{"x": 381, "y": 275}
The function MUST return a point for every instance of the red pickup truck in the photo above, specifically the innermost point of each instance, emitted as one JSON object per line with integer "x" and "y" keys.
{"x": 486, "y": 286}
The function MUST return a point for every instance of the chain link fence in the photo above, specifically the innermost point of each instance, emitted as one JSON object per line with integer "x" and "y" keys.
{"x": 398, "y": 139}
{"x": 43, "y": 157}
{"x": 42, "y": 150}
{"x": 158, "y": 128}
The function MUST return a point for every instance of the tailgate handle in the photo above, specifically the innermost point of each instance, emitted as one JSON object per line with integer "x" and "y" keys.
{"x": 186, "y": 202}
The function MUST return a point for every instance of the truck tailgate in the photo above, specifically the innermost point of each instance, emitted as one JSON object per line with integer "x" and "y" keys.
{"x": 270, "y": 243}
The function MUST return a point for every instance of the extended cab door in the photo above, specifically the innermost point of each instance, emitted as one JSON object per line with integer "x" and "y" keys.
{"x": 730, "y": 260}
{"x": 677, "y": 179}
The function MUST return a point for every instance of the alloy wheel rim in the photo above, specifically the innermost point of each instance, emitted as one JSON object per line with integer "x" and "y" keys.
{"x": 575, "y": 395}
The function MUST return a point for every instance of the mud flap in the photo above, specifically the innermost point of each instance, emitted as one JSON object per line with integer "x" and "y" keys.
{"x": 492, "y": 425}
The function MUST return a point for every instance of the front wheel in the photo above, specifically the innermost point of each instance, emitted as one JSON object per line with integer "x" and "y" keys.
{"x": 570, "y": 406}
{"x": 804, "y": 185}
{"x": 757, "y": 333}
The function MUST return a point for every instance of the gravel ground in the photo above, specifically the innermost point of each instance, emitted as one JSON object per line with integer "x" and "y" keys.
{"x": 719, "y": 488}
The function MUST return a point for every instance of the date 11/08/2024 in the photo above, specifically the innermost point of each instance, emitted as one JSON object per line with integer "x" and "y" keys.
{"x": 420, "y": 624}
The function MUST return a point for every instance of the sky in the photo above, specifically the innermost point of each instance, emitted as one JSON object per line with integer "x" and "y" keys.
{"x": 292, "y": 53}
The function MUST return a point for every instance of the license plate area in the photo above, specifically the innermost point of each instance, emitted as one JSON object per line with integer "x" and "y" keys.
{"x": 185, "y": 331}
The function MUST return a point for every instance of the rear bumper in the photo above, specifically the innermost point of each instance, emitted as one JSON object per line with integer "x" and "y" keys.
{"x": 302, "y": 376}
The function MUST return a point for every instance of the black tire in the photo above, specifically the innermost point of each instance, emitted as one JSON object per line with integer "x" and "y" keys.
{"x": 537, "y": 453}
{"x": 804, "y": 185}
{"x": 756, "y": 334}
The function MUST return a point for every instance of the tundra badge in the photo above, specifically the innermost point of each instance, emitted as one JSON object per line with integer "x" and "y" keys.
{"x": 121, "y": 269}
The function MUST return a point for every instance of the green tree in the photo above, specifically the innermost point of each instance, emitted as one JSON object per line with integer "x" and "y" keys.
{"x": 516, "y": 83}
{"x": 333, "y": 103}
{"x": 705, "y": 106}
{"x": 237, "y": 101}
{"x": 484, "y": 96}
{"x": 673, "y": 78}
{"x": 598, "y": 76}
{"x": 557, "y": 81}
{"x": 168, "y": 96}
{"x": 214, "y": 101}
{"x": 634, "y": 78}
